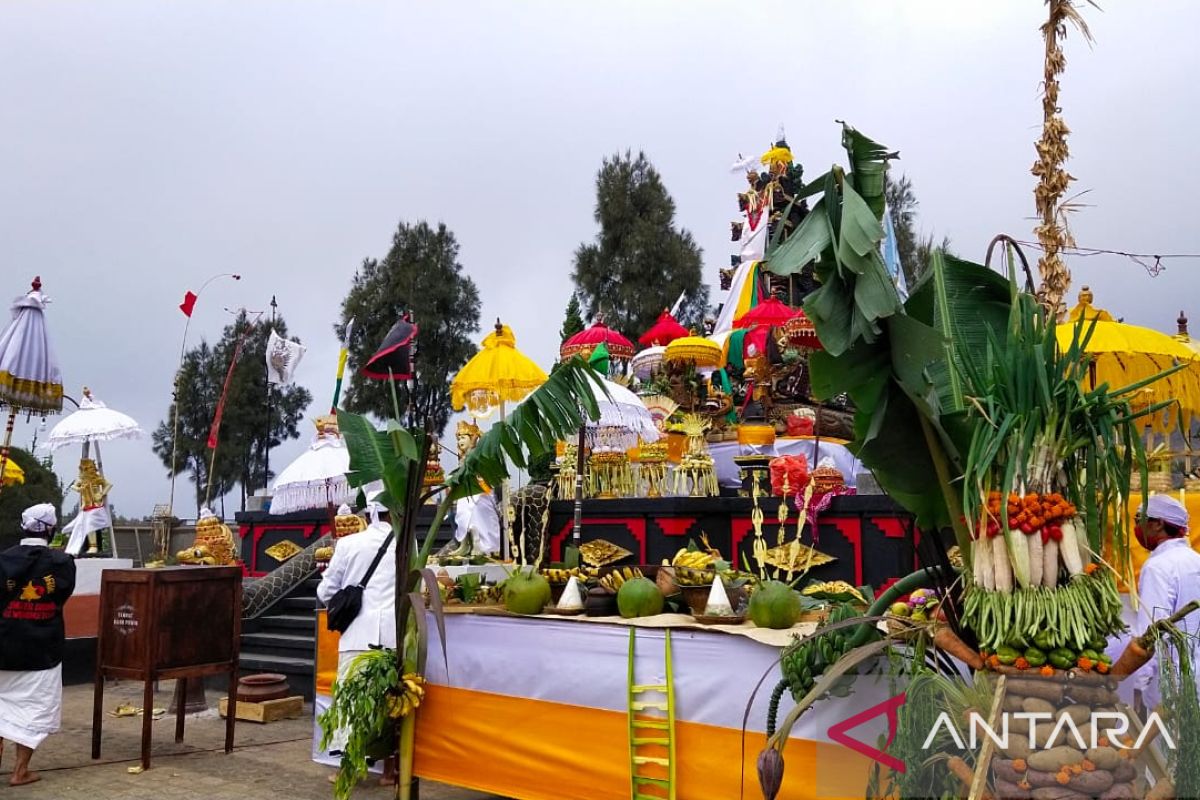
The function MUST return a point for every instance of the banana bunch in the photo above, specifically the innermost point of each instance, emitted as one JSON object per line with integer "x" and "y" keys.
{"x": 615, "y": 579}
{"x": 487, "y": 595}
{"x": 412, "y": 692}
{"x": 695, "y": 559}
{"x": 803, "y": 662}
{"x": 559, "y": 575}
{"x": 689, "y": 576}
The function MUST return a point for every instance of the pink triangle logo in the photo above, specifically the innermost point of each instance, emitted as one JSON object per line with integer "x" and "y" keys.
{"x": 889, "y": 707}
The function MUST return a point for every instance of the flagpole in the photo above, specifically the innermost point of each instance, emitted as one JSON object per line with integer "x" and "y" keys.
{"x": 267, "y": 443}
{"x": 341, "y": 367}
{"x": 215, "y": 432}
{"x": 187, "y": 311}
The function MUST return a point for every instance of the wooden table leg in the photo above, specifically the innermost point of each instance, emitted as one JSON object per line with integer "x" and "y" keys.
{"x": 97, "y": 713}
{"x": 180, "y": 706}
{"x": 231, "y": 711}
{"x": 147, "y": 721}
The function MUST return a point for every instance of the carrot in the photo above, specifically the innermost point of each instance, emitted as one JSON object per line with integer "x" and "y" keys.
{"x": 945, "y": 639}
{"x": 1132, "y": 659}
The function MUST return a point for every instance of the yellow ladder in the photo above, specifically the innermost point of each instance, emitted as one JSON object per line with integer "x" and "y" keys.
{"x": 651, "y": 732}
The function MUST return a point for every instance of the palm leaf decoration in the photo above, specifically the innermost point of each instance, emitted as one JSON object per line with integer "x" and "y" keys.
{"x": 555, "y": 411}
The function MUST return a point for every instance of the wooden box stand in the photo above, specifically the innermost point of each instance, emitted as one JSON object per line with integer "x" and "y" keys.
{"x": 162, "y": 624}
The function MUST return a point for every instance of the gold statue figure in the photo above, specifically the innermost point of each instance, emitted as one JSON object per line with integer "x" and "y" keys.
{"x": 92, "y": 487}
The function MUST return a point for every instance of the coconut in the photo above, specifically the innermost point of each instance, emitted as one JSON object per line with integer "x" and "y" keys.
{"x": 774, "y": 605}
{"x": 639, "y": 597}
{"x": 526, "y": 592}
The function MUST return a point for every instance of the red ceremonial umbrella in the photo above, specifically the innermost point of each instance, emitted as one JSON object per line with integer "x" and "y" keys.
{"x": 666, "y": 330}
{"x": 769, "y": 312}
{"x": 587, "y": 340}
{"x": 801, "y": 331}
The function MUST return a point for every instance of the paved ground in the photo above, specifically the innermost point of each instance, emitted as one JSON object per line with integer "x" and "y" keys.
{"x": 269, "y": 762}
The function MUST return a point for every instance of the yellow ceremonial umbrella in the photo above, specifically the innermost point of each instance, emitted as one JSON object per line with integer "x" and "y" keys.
{"x": 13, "y": 474}
{"x": 497, "y": 374}
{"x": 1123, "y": 354}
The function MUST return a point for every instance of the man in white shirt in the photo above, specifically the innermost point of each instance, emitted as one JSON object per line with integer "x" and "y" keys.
{"x": 1169, "y": 580}
{"x": 375, "y": 624}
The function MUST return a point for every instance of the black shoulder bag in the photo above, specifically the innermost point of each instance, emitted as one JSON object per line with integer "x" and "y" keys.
{"x": 343, "y": 608}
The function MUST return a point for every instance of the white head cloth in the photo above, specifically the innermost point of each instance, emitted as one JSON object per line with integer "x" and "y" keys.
{"x": 39, "y": 518}
{"x": 1167, "y": 509}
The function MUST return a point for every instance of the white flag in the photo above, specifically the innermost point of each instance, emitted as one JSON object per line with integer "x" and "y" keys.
{"x": 282, "y": 357}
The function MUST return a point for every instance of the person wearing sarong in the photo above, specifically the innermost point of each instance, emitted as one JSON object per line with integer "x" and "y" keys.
{"x": 35, "y": 583}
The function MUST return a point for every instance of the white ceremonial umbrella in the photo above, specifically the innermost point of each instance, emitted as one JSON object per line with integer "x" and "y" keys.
{"x": 93, "y": 422}
{"x": 316, "y": 479}
{"x": 624, "y": 418}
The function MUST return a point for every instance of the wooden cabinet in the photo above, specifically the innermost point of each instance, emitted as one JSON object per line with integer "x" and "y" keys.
{"x": 170, "y": 623}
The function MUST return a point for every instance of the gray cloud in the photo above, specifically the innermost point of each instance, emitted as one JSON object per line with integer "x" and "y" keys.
{"x": 147, "y": 146}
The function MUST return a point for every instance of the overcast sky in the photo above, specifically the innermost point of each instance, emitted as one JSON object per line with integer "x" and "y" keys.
{"x": 149, "y": 145}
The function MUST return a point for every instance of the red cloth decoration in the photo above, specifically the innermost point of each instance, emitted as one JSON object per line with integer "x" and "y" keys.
{"x": 795, "y": 468}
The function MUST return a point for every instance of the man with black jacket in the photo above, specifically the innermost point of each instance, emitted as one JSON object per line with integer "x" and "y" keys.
{"x": 35, "y": 583}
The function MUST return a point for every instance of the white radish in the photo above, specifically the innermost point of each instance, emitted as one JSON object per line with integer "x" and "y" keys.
{"x": 1035, "y": 558}
{"x": 1069, "y": 549}
{"x": 1001, "y": 565}
{"x": 985, "y": 577}
{"x": 1050, "y": 564}
{"x": 1018, "y": 557}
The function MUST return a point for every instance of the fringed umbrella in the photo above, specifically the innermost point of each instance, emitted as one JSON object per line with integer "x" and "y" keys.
{"x": 666, "y": 330}
{"x": 30, "y": 379}
{"x": 587, "y": 340}
{"x": 644, "y": 363}
{"x": 770, "y": 312}
{"x": 317, "y": 478}
{"x": 1123, "y": 354}
{"x": 91, "y": 424}
{"x": 499, "y": 373}
{"x": 704, "y": 353}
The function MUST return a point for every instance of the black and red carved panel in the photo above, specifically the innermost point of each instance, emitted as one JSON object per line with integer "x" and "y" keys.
{"x": 872, "y": 540}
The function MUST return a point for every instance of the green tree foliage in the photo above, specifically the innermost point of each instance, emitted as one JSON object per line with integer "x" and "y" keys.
{"x": 246, "y": 429}
{"x": 914, "y": 251}
{"x": 420, "y": 274}
{"x": 41, "y": 486}
{"x": 640, "y": 262}
{"x": 573, "y": 321}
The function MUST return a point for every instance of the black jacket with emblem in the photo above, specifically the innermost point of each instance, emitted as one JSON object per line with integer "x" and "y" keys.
{"x": 35, "y": 582}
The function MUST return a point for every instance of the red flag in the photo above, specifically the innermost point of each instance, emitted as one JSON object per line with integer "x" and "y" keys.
{"x": 189, "y": 302}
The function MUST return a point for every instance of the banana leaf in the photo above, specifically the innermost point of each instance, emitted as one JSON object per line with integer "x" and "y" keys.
{"x": 555, "y": 411}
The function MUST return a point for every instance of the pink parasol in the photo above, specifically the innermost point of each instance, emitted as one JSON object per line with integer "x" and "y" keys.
{"x": 587, "y": 340}
{"x": 664, "y": 331}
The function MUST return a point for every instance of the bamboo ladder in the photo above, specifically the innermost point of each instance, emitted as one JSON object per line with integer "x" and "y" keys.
{"x": 657, "y": 730}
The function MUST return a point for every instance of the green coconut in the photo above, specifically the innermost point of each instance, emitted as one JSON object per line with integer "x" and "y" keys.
{"x": 774, "y": 605}
{"x": 639, "y": 597}
{"x": 526, "y": 592}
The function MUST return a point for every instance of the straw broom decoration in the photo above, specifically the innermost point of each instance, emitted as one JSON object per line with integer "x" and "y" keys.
{"x": 1052, "y": 152}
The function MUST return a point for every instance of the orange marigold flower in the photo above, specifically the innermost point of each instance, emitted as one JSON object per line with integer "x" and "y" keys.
{"x": 1063, "y": 778}
{"x": 1088, "y": 766}
{"x": 1084, "y": 664}
{"x": 1021, "y": 663}
{"x": 1020, "y": 765}
{"x": 1047, "y": 671}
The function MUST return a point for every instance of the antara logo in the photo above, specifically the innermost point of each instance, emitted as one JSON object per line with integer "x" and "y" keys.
{"x": 1110, "y": 725}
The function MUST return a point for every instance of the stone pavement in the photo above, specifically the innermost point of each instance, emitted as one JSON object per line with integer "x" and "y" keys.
{"x": 269, "y": 762}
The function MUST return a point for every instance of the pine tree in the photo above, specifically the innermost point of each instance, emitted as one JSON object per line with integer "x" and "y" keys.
{"x": 245, "y": 429}
{"x": 914, "y": 252}
{"x": 421, "y": 275}
{"x": 640, "y": 262}
{"x": 573, "y": 322}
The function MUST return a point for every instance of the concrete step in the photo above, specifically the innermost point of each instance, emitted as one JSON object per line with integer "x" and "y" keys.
{"x": 282, "y": 644}
{"x": 297, "y": 604}
{"x": 295, "y": 622}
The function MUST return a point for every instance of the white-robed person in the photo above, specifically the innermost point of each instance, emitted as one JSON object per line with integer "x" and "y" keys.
{"x": 375, "y": 625}
{"x": 1168, "y": 581}
{"x": 35, "y": 583}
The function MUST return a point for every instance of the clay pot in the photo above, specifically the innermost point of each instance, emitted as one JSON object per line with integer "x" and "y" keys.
{"x": 262, "y": 687}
